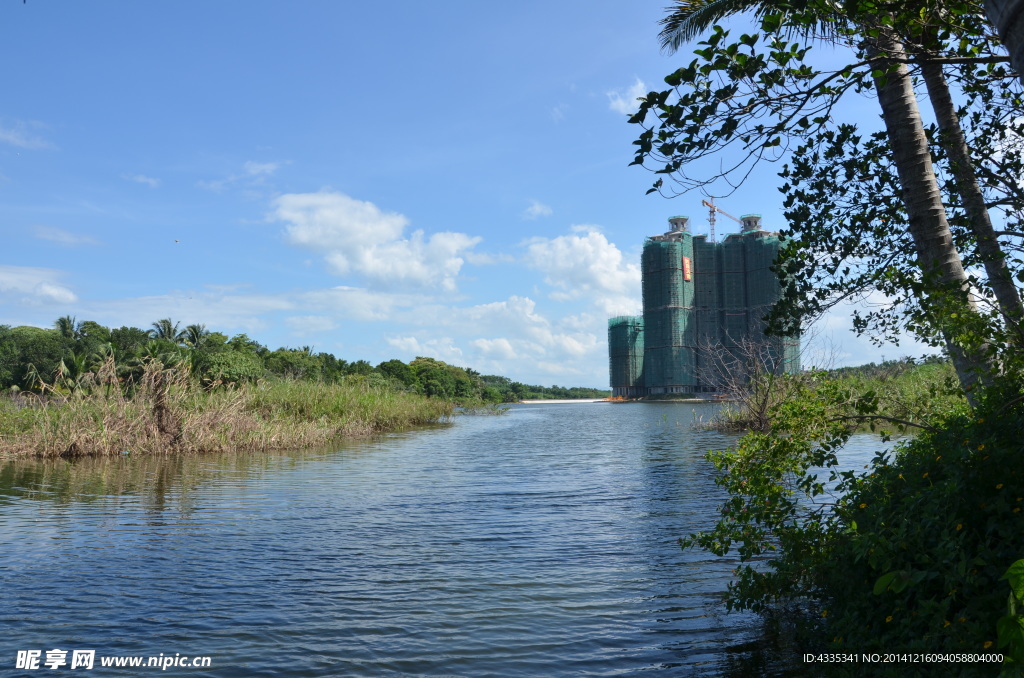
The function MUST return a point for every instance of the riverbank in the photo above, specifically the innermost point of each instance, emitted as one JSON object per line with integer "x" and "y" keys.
{"x": 166, "y": 412}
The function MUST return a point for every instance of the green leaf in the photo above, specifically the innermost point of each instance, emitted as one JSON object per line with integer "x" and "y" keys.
{"x": 900, "y": 582}
{"x": 771, "y": 22}
{"x": 1010, "y": 631}
{"x": 1015, "y": 576}
{"x": 883, "y": 582}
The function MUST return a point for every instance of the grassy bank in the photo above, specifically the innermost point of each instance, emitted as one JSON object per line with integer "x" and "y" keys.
{"x": 900, "y": 395}
{"x": 166, "y": 411}
{"x": 918, "y": 551}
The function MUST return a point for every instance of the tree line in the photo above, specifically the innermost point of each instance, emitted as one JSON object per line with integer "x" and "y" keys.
{"x": 37, "y": 359}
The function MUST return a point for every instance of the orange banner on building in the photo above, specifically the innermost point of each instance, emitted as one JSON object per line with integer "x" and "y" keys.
{"x": 687, "y": 271}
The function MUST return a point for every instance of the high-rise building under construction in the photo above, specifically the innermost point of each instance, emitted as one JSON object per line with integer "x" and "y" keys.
{"x": 704, "y": 303}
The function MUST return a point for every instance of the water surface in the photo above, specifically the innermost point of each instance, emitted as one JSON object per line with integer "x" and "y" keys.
{"x": 539, "y": 543}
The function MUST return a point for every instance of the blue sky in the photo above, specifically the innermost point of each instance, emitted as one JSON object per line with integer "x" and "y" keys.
{"x": 377, "y": 181}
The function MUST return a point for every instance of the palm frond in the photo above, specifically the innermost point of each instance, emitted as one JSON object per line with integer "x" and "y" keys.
{"x": 689, "y": 18}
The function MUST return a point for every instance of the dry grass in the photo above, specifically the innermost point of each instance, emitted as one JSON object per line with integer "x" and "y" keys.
{"x": 167, "y": 412}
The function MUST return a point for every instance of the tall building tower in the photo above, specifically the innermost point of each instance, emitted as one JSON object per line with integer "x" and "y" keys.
{"x": 669, "y": 331}
{"x": 626, "y": 356}
{"x": 703, "y": 319}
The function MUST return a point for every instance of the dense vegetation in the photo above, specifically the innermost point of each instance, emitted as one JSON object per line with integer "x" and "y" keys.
{"x": 82, "y": 388}
{"x": 34, "y": 358}
{"x": 166, "y": 409}
{"x": 923, "y": 549}
{"x": 906, "y": 555}
{"x": 905, "y": 393}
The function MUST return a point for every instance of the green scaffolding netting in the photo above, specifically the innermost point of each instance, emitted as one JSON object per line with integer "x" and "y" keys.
{"x": 703, "y": 319}
{"x": 626, "y": 355}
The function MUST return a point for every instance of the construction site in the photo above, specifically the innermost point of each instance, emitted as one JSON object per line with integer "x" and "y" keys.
{"x": 702, "y": 331}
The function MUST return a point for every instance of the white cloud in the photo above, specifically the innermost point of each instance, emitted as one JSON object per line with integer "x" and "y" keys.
{"x": 515, "y": 315}
{"x": 216, "y": 185}
{"x": 253, "y": 174}
{"x": 260, "y": 168}
{"x": 34, "y": 286}
{"x": 535, "y": 210}
{"x": 62, "y": 237}
{"x": 22, "y": 135}
{"x": 500, "y": 348}
{"x": 355, "y": 236}
{"x": 509, "y": 337}
{"x": 225, "y": 288}
{"x": 558, "y": 112}
{"x": 142, "y": 179}
{"x": 586, "y": 264}
{"x": 310, "y": 324}
{"x": 483, "y": 259}
{"x": 360, "y": 304}
{"x": 625, "y": 102}
{"x": 442, "y": 348}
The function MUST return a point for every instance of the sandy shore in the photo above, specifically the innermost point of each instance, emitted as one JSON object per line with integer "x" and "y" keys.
{"x": 557, "y": 402}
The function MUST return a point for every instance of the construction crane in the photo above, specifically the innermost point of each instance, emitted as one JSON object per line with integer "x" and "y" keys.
{"x": 711, "y": 215}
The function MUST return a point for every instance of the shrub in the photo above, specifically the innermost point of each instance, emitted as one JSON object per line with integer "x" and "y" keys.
{"x": 906, "y": 556}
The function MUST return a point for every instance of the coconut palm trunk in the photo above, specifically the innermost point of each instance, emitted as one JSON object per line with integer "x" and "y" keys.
{"x": 999, "y": 277}
{"x": 1008, "y": 18}
{"x": 926, "y": 214}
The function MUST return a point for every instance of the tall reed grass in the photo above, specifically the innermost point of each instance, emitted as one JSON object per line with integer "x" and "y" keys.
{"x": 165, "y": 411}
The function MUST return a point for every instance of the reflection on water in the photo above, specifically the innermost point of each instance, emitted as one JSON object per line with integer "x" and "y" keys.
{"x": 542, "y": 542}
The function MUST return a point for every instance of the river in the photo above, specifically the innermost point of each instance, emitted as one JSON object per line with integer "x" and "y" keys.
{"x": 538, "y": 543}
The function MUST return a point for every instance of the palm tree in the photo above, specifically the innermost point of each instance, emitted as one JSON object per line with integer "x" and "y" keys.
{"x": 926, "y": 213}
{"x": 1008, "y": 18}
{"x": 994, "y": 259}
{"x": 166, "y": 329}
{"x": 67, "y": 327}
{"x": 690, "y": 18}
{"x": 71, "y": 371}
{"x": 194, "y": 335}
{"x": 927, "y": 221}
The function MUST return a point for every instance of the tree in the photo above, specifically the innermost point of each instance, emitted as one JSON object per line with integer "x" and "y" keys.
{"x": 194, "y": 335}
{"x": 93, "y": 338}
{"x": 242, "y": 342}
{"x": 709, "y": 114}
{"x": 1008, "y": 18}
{"x": 227, "y": 367}
{"x": 966, "y": 184}
{"x": 31, "y": 353}
{"x": 332, "y": 369}
{"x": 72, "y": 371}
{"x": 293, "y": 363}
{"x": 438, "y": 379}
{"x": 359, "y": 367}
{"x": 168, "y": 330}
{"x": 926, "y": 214}
{"x": 67, "y": 327}
{"x": 398, "y": 370}
{"x": 128, "y": 342}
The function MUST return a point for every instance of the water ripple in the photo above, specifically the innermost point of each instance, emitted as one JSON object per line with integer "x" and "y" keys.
{"x": 538, "y": 543}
